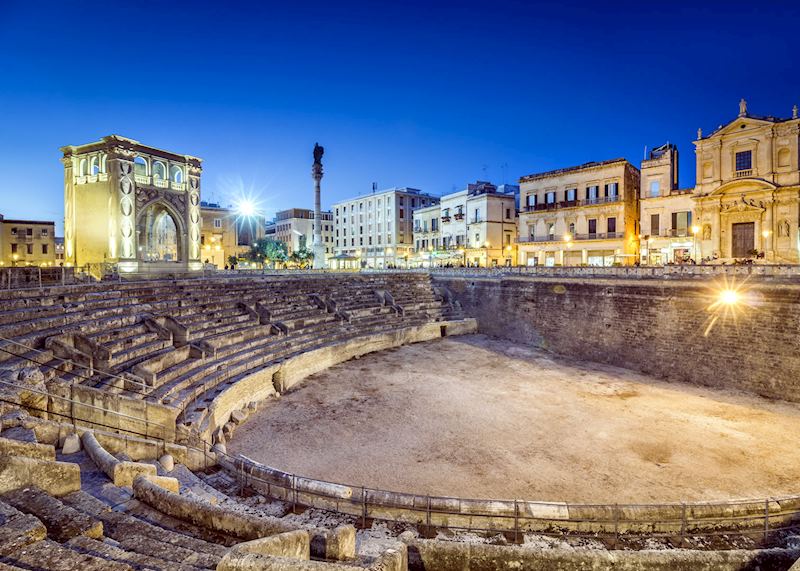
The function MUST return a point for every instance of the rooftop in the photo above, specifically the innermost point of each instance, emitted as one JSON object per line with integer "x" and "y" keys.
{"x": 584, "y": 166}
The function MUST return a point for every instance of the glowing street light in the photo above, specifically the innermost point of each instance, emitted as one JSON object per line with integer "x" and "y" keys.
{"x": 246, "y": 208}
{"x": 729, "y": 297}
{"x": 695, "y": 230}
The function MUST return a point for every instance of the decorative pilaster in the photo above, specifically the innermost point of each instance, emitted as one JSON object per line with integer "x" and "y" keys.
{"x": 193, "y": 222}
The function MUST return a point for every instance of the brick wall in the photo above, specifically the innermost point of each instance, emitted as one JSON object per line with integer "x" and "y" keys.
{"x": 656, "y": 327}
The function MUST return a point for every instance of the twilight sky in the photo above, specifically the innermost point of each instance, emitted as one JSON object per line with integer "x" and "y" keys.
{"x": 418, "y": 93}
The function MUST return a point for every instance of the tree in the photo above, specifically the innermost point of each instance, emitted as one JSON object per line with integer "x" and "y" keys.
{"x": 268, "y": 251}
{"x": 232, "y": 261}
{"x": 303, "y": 258}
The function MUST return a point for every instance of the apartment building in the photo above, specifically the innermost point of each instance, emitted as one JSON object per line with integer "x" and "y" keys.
{"x": 375, "y": 230}
{"x": 582, "y": 215}
{"x": 475, "y": 226}
{"x": 219, "y": 237}
{"x": 668, "y": 233}
{"x": 27, "y": 242}
{"x": 295, "y": 228}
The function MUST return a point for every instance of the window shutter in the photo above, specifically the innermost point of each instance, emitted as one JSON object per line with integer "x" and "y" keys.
{"x": 674, "y": 220}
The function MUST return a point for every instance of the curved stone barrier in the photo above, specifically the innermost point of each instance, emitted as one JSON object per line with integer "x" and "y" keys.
{"x": 457, "y": 556}
{"x": 512, "y": 515}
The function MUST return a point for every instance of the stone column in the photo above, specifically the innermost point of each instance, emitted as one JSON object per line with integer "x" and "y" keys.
{"x": 318, "y": 247}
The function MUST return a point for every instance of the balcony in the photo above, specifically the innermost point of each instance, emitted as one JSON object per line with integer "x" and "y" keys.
{"x": 743, "y": 173}
{"x": 459, "y": 216}
{"x": 160, "y": 183}
{"x": 177, "y": 185}
{"x": 572, "y": 203}
{"x": 141, "y": 179}
{"x": 446, "y": 218}
{"x": 576, "y": 237}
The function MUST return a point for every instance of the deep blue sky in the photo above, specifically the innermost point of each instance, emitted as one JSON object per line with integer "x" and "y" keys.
{"x": 401, "y": 93}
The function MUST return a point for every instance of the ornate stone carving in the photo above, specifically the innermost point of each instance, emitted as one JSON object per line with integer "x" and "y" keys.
{"x": 783, "y": 228}
{"x": 742, "y": 205}
{"x": 126, "y": 209}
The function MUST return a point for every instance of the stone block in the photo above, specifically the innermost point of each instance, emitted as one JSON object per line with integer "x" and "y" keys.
{"x": 126, "y": 472}
{"x": 72, "y": 444}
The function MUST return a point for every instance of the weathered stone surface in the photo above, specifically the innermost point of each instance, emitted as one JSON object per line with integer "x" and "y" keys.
{"x": 62, "y": 521}
{"x": 55, "y": 478}
{"x": 10, "y": 447}
{"x": 167, "y": 462}
{"x": 107, "y": 551}
{"x": 238, "y": 416}
{"x": 54, "y": 557}
{"x": 18, "y": 529}
{"x": 72, "y": 444}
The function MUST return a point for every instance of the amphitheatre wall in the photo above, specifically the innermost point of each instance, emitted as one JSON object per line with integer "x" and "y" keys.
{"x": 655, "y": 326}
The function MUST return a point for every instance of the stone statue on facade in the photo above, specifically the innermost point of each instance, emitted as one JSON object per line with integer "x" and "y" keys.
{"x": 742, "y": 107}
{"x": 783, "y": 229}
{"x": 706, "y": 232}
{"x": 318, "y": 152}
{"x": 699, "y": 134}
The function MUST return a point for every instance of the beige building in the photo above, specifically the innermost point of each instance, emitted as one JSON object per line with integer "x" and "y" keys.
{"x": 132, "y": 205}
{"x": 218, "y": 234}
{"x": 747, "y": 189}
{"x": 475, "y": 226}
{"x": 295, "y": 228}
{"x": 582, "y": 215}
{"x": 375, "y": 230}
{"x": 668, "y": 233}
{"x": 27, "y": 243}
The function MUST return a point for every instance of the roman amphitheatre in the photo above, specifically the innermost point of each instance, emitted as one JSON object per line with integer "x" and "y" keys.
{"x": 402, "y": 420}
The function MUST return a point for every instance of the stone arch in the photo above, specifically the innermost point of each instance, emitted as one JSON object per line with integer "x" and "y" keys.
{"x": 161, "y": 231}
{"x": 94, "y": 165}
{"x": 83, "y": 167}
{"x": 176, "y": 174}
{"x": 140, "y": 166}
{"x": 159, "y": 170}
{"x": 744, "y": 185}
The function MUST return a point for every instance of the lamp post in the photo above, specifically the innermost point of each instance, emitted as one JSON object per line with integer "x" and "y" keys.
{"x": 486, "y": 245}
{"x": 765, "y": 234}
{"x": 568, "y": 243}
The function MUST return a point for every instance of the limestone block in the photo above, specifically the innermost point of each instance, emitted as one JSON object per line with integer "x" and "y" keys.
{"x": 10, "y": 447}
{"x": 125, "y": 472}
{"x": 166, "y": 482}
{"x": 238, "y": 416}
{"x": 55, "y": 478}
{"x": 72, "y": 444}
{"x": 167, "y": 462}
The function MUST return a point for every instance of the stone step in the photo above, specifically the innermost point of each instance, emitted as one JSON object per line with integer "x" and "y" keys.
{"x": 62, "y": 521}
{"x": 139, "y": 536}
{"x": 18, "y": 529}
{"x": 110, "y": 551}
{"x": 20, "y": 433}
{"x": 52, "y": 556}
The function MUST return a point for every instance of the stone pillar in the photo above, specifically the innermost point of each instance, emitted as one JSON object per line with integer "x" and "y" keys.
{"x": 193, "y": 223}
{"x": 318, "y": 247}
{"x": 585, "y": 257}
{"x": 69, "y": 211}
{"x": 122, "y": 211}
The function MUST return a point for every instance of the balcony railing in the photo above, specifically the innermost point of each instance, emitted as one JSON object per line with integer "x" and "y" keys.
{"x": 446, "y": 218}
{"x": 595, "y": 236}
{"x": 160, "y": 183}
{"x": 572, "y": 203}
{"x": 459, "y": 216}
{"x": 141, "y": 179}
{"x": 743, "y": 173}
{"x": 177, "y": 185}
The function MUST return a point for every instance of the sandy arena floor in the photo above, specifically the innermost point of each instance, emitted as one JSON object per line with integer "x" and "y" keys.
{"x": 476, "y": 417}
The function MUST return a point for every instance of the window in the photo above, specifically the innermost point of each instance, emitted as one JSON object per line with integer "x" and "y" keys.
{"x": 44, "y": 248}
{"x": 139, "y": 166}
{"x": 744, "y": 161}
{"x": 508, "y": 239}
{"x": 29, "y": 248}
{"x": 508, "y": 213}
{"x": 29, "y": 232}
{"x": 402, "y": 214}
{"x": 44, "y": 232}
{"x": 572, "y": 229}
{"x": 655, "y": 188}
{"x": 551, "y": 230}
{"x": 571, "y": 192}
{"x": 14, "y": 231}
{"x": 681, "y": 221}
{"x": 591, "y": 194}
{"x": 217, "y": 222}
{"x": 655, "y": 224}
{"x": 612, "y": 225}
{"x": 159, "y": 171}
{"x": 592, "y": 226}
{"x": 612, "y": 190}
{"x": 550, "y": 198}
{"x": 13, "y": 248}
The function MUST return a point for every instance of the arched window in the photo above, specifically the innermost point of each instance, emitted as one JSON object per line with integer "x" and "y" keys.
{"x": 572, "y": 229}
{"x": 176, "y": 174}
{"x": 159, "y": 171}
{"x": 551, "y": 230}
{"x": 140, "y": 166}
{"x": 82, "y": 168}
{"x": 94, "y": 165}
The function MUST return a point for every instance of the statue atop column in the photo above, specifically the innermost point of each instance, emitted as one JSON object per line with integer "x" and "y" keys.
{"x": 742, "y": 107}
{"x": 318, "y": 247}
{"x": 318, "y": 152}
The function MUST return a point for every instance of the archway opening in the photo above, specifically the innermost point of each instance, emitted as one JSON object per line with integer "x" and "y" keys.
{"x": 158, "y": 235}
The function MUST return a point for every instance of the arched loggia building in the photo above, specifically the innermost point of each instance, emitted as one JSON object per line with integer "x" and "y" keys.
{"x": 132, "y": 205}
